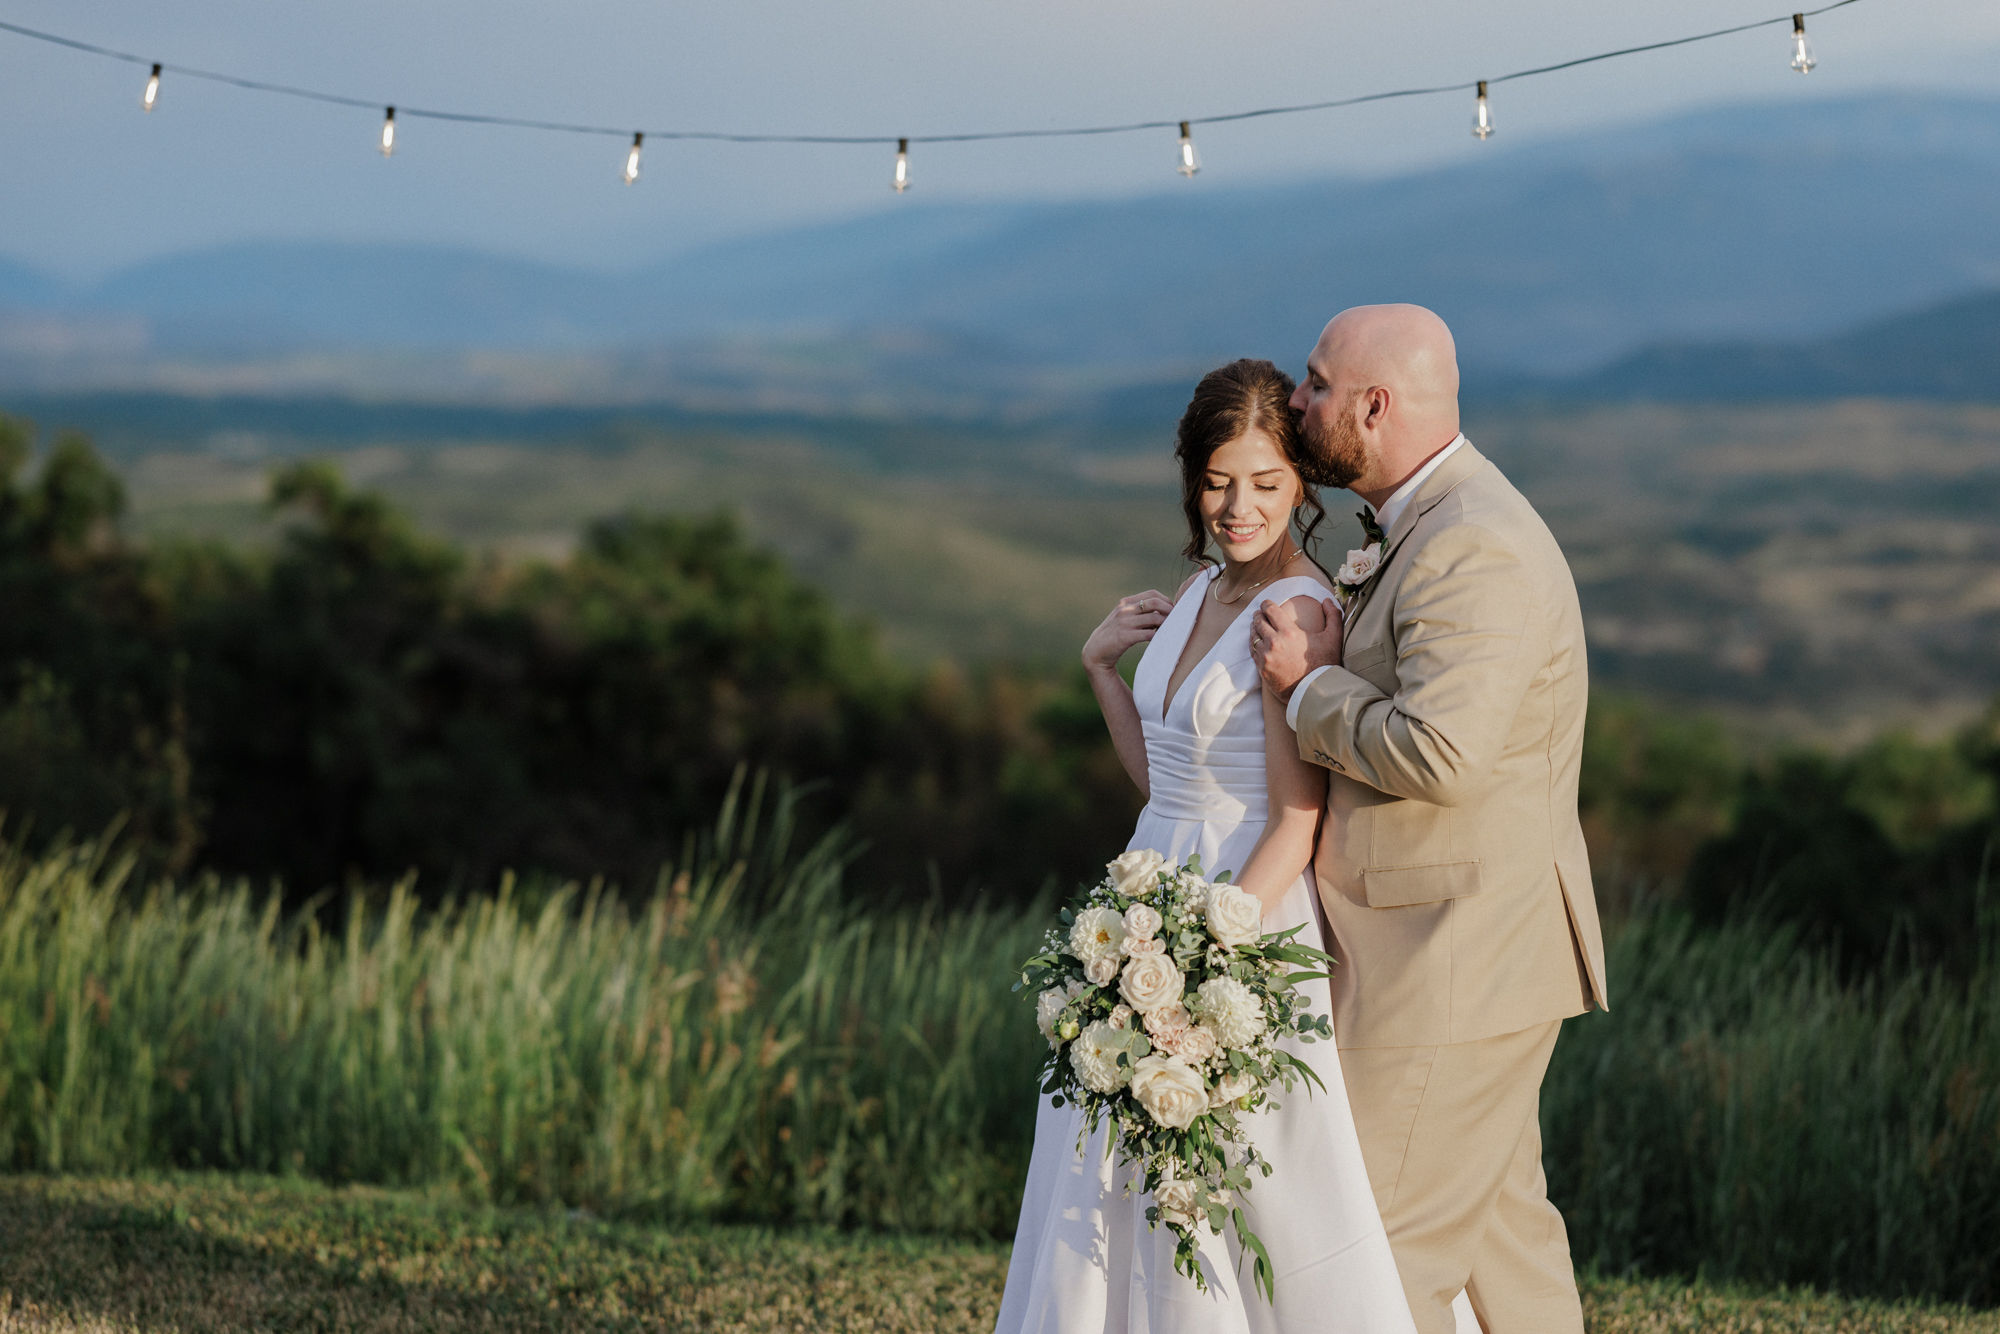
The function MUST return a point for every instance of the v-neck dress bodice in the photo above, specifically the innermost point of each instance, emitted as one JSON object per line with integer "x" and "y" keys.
{"x": 1205, "y": 746}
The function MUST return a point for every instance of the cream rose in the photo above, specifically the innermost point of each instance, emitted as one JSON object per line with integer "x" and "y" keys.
{"x": 1168, "y": 1018}
{"x": 1097, "y": 933}
{"x": 1176, "y": 1199}
{"x": 1150, "y": 945}
{"x": 1195, "y": 1044}
{"x": 1101, "y": 970}
{"x": 1142, "y": 922}
{"x": 1233, "y": 1087}
{"x": 1234, "y": 917}
{"x": 1095, "y": 1058}
{"x": 1048, "y": 1006}
{"x": 1135, "y": 873}
{"x": 1361, "y": 565}
{"x": 1170, "y": 1090}
{"x": 1121, "y": 1015}
{"x": 1150, "y": 981}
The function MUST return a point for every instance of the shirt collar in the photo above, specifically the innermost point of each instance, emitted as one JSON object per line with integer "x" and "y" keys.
{"x": 1399, "y": 500}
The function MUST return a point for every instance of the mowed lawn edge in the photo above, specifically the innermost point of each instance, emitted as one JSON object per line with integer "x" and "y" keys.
{"x": 195, "y": 1252}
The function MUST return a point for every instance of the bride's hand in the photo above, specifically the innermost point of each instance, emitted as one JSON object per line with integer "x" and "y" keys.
{"x": 1132, "y": 621}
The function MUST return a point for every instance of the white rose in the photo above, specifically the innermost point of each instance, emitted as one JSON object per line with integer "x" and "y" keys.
{"x": 1196, "y": 1044}
{"x": 1170, "y": 1090}
{"x": 1135, "y": 873}
{"x": 1150, "y": 981}
{"x": 1142, "y": 921}
{"x": 1234, "y": 917}
{"x": 1150, "y": 945}
{"x": 1360, "y": 565}
{"x": 1097, "y": 933}
{"x": 1101, "y": 970}
{"x": 1095, "y": 1058}
{"x": 1232, "y": 1088}
{"x": 1047, "y": 1006}
{"x": 1176, "y": 1199}
{"x": 1230, "y": 1010}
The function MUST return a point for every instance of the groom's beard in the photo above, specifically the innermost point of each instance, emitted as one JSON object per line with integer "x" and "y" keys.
{"x": 1334, "y": 455}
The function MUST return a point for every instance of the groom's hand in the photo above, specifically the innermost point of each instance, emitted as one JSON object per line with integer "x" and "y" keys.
{"x": 1286, "y": 650}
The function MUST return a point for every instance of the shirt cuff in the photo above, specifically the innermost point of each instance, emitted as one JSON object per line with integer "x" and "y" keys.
{"x": 1299, "y": 693}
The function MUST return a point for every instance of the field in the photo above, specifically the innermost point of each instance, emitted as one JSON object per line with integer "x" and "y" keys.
{"x": 204, "y": 1252}
{"x": 1808, "y": 569}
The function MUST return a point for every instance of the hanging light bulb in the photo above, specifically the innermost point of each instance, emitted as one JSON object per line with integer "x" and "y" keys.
{"x": 388, "y": 131}
{"x": 632, "y": 159}
{"x": 1190, "y": 160}
{"x": 1802, "y": 56}
{"x": 902, "y": 178}
{"x": 1482, "y": 118}
{"x": 152, "y": 90}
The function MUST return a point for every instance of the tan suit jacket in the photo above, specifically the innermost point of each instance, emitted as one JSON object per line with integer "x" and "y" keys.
{"x": 1451, "y": 862}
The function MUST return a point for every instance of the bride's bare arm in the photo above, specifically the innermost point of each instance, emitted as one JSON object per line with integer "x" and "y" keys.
{"x": 1297, "y": 792}
{"x": 1132, "y": 621}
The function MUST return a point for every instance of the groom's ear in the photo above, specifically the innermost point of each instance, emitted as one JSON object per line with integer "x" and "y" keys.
{"x": 1378, "y": 405}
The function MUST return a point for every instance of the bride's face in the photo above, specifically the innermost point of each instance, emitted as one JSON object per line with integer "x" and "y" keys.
{"x": 1247, "y": 495}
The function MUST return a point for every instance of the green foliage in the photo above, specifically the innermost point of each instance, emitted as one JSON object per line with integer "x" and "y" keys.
{"x": 1897, "y": 840}
{"x": 362, "y": 700}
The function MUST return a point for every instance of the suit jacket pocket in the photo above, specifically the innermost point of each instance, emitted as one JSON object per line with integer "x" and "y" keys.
{"x": 1402, "y": 886}
{"x": 1374, "y": 665}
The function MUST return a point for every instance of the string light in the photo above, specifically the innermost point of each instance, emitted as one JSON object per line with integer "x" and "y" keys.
{"x": 1190, "y": 162}
{"x": 1802, "y": 56}
{"x": 388, "y": 131}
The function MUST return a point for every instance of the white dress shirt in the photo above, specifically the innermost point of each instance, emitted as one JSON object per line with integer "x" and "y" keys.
{"x": 1392, "y": 510}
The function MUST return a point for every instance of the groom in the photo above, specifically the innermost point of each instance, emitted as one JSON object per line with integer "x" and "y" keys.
{"x": 1447, "y": 703}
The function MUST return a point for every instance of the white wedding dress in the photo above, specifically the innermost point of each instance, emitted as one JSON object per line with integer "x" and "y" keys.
{"x": 1084, "y": 1261}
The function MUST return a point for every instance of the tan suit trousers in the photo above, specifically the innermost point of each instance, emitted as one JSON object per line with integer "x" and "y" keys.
{"x": 1452, "y": 1138}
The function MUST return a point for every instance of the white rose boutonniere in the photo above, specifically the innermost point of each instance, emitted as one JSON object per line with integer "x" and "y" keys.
{"x": 1354, "y": 573}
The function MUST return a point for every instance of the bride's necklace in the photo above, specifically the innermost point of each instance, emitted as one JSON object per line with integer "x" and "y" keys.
{"x": 1215, "y": 589}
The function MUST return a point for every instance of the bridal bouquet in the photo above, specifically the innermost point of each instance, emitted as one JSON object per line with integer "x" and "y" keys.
{"x": 1162, "y": 1002}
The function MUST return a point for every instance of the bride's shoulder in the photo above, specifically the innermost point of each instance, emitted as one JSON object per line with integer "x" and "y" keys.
{"x": 1306, "y": 603}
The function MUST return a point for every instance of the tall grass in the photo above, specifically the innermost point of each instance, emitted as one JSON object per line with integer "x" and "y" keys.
{"x": 742, "y": 1043}
{"x": 746, "y": 1043}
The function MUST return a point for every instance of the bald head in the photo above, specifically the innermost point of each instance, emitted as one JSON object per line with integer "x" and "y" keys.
{"x": 1380, "y": 396}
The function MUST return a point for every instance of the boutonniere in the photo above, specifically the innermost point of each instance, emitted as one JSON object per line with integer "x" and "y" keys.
{"x": 1353, "y": 576}
{"x": 1361, "y": 566}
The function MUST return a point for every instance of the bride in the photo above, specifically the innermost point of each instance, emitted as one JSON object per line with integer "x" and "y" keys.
{"x": 1222, "y": 777}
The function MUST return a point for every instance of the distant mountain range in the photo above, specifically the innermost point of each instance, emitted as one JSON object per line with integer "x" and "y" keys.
{"x": 1718, "y": 254}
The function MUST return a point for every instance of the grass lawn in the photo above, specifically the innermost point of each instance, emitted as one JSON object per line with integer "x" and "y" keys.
{"x": 210, "y": 1252}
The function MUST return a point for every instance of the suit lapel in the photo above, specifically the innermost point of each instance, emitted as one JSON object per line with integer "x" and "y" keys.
{"x": 1436, "y": 487}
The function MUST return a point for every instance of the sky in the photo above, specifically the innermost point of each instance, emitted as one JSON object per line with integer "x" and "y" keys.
{"x": 88, "y": 183}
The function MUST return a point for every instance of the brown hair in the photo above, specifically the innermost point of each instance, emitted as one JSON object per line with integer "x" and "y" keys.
{"x": 1230, "y": 402}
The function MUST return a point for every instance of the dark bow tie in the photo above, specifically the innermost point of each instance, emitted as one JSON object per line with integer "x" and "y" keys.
{"x": 1371, "y": 531}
